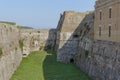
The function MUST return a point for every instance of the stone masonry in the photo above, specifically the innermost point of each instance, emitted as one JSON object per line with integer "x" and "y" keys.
{"x": 11, "y": 54}
{"x": 98, "y": 58}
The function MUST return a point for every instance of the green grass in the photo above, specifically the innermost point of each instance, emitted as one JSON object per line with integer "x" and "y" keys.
{"x": 41, "y": 65}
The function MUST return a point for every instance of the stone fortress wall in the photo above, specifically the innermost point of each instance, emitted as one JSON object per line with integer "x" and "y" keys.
{"x": 16, "y": 43}
{"x": 98, "y": 58}
{"x": 10, "y": 52}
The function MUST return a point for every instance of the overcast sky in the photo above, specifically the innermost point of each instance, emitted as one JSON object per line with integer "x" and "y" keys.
{"x": 40, "y": 13}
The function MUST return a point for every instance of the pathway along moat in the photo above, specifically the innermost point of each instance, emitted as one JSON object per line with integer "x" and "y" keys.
{"x": 41, "y": 65}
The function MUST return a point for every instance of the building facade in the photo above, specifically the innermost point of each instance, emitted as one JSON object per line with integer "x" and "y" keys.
{"x": 107, "y": 20}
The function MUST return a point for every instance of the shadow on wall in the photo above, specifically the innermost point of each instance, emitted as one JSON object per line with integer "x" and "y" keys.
{"x": 50, "y": 42}
{"x": 69, "y": 48}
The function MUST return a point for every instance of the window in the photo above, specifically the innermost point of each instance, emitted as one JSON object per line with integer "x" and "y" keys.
{"x": 109, "y": 31}
{"x": 76, "y": 36}
{"x": 110, "y": 12}
{"x": 99, "y": 31}
{"x": 100, "y": 15}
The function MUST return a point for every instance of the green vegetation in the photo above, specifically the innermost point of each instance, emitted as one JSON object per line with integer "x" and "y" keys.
{"x": 24, "y": 27}
{"x": 1, "y": 52}
{"x": 41, "y": 48}
{"x": 21, "y": 44}
{"x": 11, "y": 23}
{"x": 41, "y": 65}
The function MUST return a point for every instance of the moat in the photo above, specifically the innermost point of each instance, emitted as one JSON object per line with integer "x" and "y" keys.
{"x": 41, "y": 65}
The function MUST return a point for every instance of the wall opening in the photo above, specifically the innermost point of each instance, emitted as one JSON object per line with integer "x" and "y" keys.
{"x": 100, "y": 15}
{"x": 99, "y": 31}
{"x": 71, "y": 60}
{"x": 110, "y": 13}
{"x": 75, "y": 36}
{"x": 109, "y": 31}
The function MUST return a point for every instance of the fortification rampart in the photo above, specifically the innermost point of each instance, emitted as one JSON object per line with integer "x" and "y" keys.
{"x": 10, "y": 52}
{"x": 98, "y": 58}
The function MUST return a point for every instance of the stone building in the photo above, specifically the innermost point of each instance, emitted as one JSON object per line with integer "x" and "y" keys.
{"x": 107, "y": 20}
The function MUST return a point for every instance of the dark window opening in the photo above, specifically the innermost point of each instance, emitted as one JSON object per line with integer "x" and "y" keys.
{"x": 99, "y": 31}
{"x": 100, "y": 15}
{"x": 110, "y": 13}
{"x": 71, "y": 60}
{"x": 109, "y": 31}
{"x": 24, "y": 54}
{"x": 75, "y": 36}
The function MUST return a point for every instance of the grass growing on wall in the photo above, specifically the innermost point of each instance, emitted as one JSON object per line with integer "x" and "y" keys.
{"x": 24, "y": 27}
{"x": 40, "y": 65}
{"x": 1, "y": 51}
{"x": 21, "y": 44}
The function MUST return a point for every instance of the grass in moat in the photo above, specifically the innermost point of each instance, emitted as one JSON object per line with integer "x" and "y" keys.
{"x": 40, "y": 65}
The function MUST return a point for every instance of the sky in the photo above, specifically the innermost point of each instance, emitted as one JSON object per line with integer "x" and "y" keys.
{"x": 40, "y": 13}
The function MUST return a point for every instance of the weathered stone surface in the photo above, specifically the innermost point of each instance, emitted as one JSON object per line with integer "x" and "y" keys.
{"x": 9, "y": 63}
{"x": 11, "y": 53}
